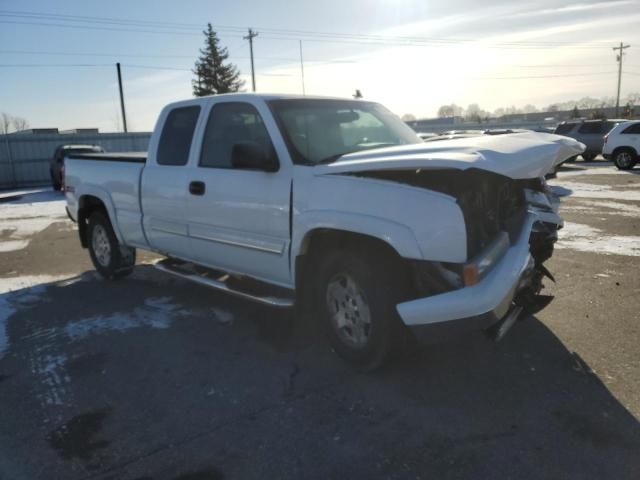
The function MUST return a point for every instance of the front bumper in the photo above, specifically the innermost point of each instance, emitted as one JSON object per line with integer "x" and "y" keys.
{"x": 479, "y": 306}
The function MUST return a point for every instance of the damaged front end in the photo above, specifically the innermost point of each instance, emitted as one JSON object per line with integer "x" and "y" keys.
{"x": 511, "y": 227}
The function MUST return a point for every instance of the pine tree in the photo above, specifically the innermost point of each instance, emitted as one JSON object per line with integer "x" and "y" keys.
{"x": 213, "y": 74}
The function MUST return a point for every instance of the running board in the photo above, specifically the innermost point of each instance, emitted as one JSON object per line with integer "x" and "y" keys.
{"x": 203, "y": 276}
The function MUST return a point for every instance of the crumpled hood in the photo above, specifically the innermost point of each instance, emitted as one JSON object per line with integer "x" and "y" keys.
{"x": 516, "y": 155}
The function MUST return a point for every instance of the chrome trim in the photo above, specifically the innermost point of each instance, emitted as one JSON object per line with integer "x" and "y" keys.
{"x": 236, "y": 243}
{"x": 166, "y": 230}
{"x": 273, "y": 301}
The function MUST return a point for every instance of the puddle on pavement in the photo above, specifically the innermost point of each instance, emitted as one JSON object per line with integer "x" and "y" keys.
{"x": 206, "y": 474}
{"x": 76, "y": 439}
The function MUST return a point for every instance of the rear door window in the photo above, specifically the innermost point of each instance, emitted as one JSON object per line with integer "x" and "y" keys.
{"x": 595, "y": 128}
{"x": 177, "y": 135}
{"x": 632, "y": 129}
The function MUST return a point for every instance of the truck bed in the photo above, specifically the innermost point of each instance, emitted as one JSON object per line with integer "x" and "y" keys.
{"x": 136, "y": 157}
{"x": 113, "y": 176}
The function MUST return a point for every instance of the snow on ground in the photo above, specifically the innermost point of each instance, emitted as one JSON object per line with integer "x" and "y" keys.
{"x": 24, "y": 217}
{"x": 590, "y": 191}
{"x": 156, "y": 313}
{"x": 21, "y": 292}
{"x": 591, "y": 168}
{"x": 604, "y": 207}
{"x": 584, "y": 238}
{"x": 19, "y": 192}
{"x": 597, "y": 200}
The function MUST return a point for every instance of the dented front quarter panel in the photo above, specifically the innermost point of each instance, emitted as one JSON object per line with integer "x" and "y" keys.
{"x": 419, "y": 224}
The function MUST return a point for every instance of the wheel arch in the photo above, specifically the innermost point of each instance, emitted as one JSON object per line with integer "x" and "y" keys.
{"x": 624, "y": 147}
{"x": 89, "y": 202}
{"x": 323, "y": 239}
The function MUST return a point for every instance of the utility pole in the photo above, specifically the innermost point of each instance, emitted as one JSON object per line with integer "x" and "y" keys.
{"x": 302, "y": 68}
{"x": 250, "y": 37}
{"x": 124, "y": 115}
{"x": 619, "y": 58}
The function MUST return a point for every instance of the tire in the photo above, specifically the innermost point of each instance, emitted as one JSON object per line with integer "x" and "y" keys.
{"x": 110, "y": 259}
{"x": 625, "y": 159}
{"x": 588, "y": 157}
{"x": 55, "y": 184}
{"x": 356, "y": 298}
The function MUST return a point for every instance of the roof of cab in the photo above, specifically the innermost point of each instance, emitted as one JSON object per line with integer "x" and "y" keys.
{"x": 264, "y": 96}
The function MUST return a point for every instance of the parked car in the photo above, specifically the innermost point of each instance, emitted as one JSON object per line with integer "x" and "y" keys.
{"x": 56, "y": 164}
{"x": 335, "y": 206}
{"x": 453, "y": 134}
{"x": 426, "y": 135}
{"x": 589, "y": 132}
{"x": 622, "y": 145}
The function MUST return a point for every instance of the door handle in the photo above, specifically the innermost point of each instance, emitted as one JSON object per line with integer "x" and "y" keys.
{"x": 196, "y": 188}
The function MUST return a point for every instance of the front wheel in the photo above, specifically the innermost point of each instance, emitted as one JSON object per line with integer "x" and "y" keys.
{"x": 357, "y": 296}
{"x": 624, "y": 159}
{"x": 110, "y": 259}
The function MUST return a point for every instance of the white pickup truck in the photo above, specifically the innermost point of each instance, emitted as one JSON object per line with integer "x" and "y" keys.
{"x": 333, "y": 205}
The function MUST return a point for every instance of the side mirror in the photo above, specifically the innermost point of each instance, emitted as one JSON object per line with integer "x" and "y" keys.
{"x": 253, "y": 156}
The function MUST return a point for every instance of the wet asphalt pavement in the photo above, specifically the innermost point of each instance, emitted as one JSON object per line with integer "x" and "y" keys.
{"x": 155, "y": 378}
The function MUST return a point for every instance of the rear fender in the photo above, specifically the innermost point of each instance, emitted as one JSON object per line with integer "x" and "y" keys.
{"x": 104, "y": 196}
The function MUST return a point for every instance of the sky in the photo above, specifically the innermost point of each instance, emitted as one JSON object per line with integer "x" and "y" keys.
{"x": 57, "y": 59}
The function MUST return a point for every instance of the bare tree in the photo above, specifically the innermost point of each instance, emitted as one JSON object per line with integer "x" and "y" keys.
{"x": 475, "y": 114}
{"x": 452, "y": 110}
{"x": 5, "y": 123}
{"x": 19, "y": 124}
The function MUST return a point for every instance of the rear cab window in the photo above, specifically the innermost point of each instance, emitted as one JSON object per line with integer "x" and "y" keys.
{"x": 177, "y": 135}
{"x": 564, "y": 128}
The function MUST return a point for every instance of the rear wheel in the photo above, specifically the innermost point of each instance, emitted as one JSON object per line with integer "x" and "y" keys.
{"x": 588, "y": 157}
{"x": 357, "y": 294}
{"x": 624, "y": 159}
{"x": 110, "y": 259}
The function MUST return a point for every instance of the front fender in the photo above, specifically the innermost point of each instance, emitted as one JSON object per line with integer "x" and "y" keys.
{"x": 418, "y": 223}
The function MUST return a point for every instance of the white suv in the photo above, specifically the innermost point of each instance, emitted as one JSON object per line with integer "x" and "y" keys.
{"x": 622, "y": 145}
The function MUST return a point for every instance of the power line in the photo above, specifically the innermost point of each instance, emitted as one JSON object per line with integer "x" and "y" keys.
{"x": 272, "y": 34}
{"x": 162, "y": 67}
{"x": 238, "y": 29}
{"x": 131, "y": 55}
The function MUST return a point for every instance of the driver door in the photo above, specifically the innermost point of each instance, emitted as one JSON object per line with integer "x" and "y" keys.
{"x": 238, "y": 219}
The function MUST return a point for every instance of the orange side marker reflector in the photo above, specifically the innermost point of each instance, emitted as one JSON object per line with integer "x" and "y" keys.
{"x": 470, "y": 274}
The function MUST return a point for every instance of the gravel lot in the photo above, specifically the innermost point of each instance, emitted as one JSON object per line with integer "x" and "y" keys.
{"x": 155, "y": 378}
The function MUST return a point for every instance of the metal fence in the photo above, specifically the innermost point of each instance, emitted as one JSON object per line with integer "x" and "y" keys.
{"x": 24, "y": 158}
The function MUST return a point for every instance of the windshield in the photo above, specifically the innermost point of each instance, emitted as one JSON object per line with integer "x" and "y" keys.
{"x": 321, "y": 131}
